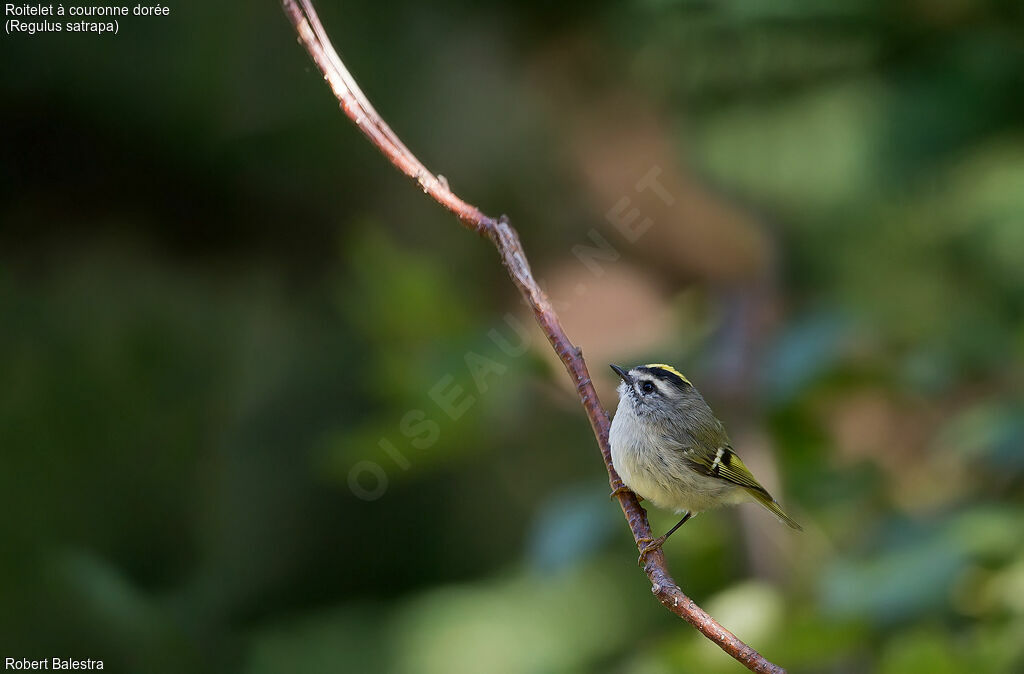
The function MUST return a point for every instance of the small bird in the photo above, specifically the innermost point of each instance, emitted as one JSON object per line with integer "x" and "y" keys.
{"x": 669, "y": 448}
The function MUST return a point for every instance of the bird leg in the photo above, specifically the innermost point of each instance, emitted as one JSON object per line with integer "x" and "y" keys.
{"x": 656, "y": 543}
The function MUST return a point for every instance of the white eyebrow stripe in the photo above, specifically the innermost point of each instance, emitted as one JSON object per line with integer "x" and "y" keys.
{"x": 663, "y": 387}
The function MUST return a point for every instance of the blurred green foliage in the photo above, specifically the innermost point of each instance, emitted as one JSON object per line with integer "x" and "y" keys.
{"x": 217, "y": 302}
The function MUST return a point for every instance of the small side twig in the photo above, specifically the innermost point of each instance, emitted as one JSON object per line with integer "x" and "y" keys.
{"x": 357, "y": 107}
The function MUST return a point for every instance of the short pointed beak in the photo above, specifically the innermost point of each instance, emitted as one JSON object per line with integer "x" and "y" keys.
{"x": 622, "y": 373}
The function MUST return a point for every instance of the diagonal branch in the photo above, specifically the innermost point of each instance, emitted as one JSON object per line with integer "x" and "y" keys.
{"x": 357, "y": 107}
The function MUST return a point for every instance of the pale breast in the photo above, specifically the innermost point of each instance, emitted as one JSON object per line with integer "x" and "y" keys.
{"x": 661, "y": 475}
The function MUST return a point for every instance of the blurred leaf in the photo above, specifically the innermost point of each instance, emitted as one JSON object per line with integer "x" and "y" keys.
{"x": 988, "y": 435}
{"x": 570, "y": 527}
{"x": 817, "y": 148}
{"x": 319, "y": 642}
{"x": 806, "y": 350}
{"x": 929, "y": 652}
{"x": 906, "y": 578}
{"x": 485, "y": 627}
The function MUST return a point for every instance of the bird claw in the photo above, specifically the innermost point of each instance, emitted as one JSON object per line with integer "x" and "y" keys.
{"x": 623, "y": 489}
{"x": 652, "y": 545}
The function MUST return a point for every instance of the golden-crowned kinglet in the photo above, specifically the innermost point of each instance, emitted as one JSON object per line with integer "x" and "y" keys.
{"x": 669, "y": 448}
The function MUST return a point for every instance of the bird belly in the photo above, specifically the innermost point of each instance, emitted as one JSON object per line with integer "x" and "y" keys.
{"x": 662, "y": 476}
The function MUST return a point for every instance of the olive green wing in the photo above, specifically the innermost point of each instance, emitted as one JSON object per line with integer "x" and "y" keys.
{"x": 725, "y": 464}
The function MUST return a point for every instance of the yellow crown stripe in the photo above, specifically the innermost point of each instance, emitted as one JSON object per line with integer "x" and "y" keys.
{"x": 669, "y": 368}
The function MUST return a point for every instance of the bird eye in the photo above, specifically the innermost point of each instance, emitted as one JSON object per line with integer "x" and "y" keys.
{"x": 647, "y": 387}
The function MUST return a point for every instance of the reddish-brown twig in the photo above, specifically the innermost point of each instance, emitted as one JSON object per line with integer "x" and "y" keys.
{"x": 355, "y": 104}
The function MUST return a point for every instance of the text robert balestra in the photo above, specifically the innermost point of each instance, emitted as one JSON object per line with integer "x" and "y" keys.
{"x": 55, "y": 664}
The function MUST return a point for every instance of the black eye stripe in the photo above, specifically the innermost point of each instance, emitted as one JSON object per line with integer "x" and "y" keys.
{"x": 647, "y": 387}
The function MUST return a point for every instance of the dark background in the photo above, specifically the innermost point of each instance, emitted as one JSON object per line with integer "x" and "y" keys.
{"x": 217, "y": 299}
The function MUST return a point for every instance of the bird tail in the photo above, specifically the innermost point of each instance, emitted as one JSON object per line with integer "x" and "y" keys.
{"x": 765, "y": 499}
